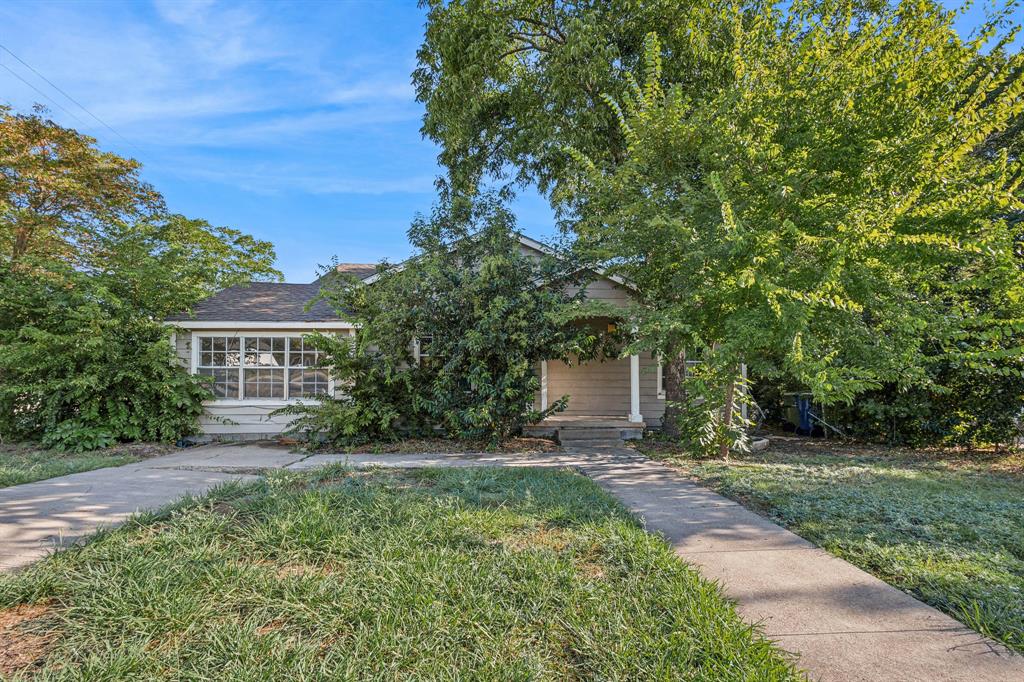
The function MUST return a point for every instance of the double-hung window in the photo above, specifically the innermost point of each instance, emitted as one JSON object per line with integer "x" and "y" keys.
{"x": 262, "y": 367}
{"x": 305, "y": 379}
{"x": 219, "y": 358}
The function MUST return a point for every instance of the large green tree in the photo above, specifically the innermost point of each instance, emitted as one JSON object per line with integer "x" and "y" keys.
{"x": 58, "y": 190}
{"x": 823, "y": 214}
{"x": 803, "y": 187}
{"x": 90, "y": 264}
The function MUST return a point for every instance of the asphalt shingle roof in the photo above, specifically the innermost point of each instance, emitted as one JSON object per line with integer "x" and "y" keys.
{"x": 262, "y": 302}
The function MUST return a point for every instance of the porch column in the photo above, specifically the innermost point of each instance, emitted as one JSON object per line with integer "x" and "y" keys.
{"x": 543, "y": 385}
{"x": 634, "y": 389}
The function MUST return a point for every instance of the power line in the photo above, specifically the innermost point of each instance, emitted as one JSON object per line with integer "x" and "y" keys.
{"x": 52, "y": 101}
{"x": 61, "y": 91}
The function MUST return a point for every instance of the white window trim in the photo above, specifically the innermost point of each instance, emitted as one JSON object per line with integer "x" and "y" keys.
{"x": 661, "y": 374}
{"x": 417, "y": 349}
{"x": 237, "y": 402}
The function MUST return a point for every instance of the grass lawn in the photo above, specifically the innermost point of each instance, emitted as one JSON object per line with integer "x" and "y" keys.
{"x": 27, "y": 462}
{"x": 495, "y": 574}
{"x": 944, "y": 526}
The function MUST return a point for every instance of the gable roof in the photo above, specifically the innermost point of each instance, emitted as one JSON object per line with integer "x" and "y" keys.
{"x": 261, "y": 302}
{"x": 279, "y": 302}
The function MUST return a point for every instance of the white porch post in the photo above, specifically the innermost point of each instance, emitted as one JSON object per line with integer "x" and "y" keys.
{"x": 543, "y": 385}
{"x": 634, "y": 389}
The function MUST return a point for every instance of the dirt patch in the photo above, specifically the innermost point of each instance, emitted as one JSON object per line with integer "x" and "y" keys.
{"x": 24, "y": 640}
{"x": 272, "y": 626}
{"x": 544, "y": 537}
{"x": 138, "y": 450}
{"x": 591, "y": 570}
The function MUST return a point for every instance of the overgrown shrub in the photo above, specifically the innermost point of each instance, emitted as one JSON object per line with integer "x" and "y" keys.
{"x": 81, "y": 370}
{"x": 484, "y": 315}
{"x": 90, "y": 263}
{"x": 376, "y": 400}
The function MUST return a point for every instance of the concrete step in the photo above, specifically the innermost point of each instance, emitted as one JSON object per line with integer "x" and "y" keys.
{"x": 598, "y": 433}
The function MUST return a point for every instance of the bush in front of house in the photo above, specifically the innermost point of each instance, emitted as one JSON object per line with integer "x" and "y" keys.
{"x": 451, "y": 338}
{"x": 90, "y": 263}
{"x": 80, "y": 370}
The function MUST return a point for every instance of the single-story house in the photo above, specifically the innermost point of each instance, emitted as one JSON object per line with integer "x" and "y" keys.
{"x": 249, "y": 339}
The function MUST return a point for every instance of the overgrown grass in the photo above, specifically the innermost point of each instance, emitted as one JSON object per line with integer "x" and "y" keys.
{"x": 947, "y": 527}
{"x": 27, "y": 462}
{"x": 496, "y": 574}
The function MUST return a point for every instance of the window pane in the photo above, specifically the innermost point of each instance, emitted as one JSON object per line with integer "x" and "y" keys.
{"x": 225, "y": 381}
{"x": 206, "y": 358}
{"x": 295, "y": 352}
{"x": 218, "y": 343}
{"x": 206, "y": 343}
{"x": 264, "y": 383}
{"x": 259, "y": 351}
{"x": 232, "y": 343}
{"x": 218, "y": 358}
{"x": 307, "y": 383}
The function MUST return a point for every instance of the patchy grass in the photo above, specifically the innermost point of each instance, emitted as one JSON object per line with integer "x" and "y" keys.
{"x": 948, "y": 527}
{"x": 26, "y": 462}
{"x": 496, "y": 574}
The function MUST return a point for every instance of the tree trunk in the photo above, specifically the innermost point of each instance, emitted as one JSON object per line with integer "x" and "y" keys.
{"x": 673, "y": 372}
{"x": 728, "y": 409}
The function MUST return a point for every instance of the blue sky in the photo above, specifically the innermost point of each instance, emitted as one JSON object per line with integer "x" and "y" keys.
{"x": 294, "y": 122}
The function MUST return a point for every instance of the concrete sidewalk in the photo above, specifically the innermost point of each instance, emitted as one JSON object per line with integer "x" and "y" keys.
{"x": 844, "y": 624}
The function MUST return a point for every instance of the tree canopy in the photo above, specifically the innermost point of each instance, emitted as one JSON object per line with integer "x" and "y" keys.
{"x": 90, "y": 264}
{"x": 508, "y": 84}
{"x": 460, "y": 328}
{"x": 823, "y": 190}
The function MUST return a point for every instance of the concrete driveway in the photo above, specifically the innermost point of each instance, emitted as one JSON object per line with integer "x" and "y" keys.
{"x": 843, "y": 623}
{"x": 36, "y": 518}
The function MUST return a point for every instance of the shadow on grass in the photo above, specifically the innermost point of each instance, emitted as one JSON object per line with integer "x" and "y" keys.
{"x": 485, "y": 573}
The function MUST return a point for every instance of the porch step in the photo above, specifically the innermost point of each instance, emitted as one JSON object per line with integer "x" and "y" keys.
{"x": 570, "y": 434}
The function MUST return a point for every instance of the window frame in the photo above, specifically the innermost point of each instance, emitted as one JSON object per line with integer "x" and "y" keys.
{"x": 661, "y": 375}
{"x": 417, "y": 349}
{"x": 242, "y": 335}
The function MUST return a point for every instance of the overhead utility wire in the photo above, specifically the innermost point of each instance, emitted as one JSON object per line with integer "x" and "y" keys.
{"x": 52, "y": 101}
{"x": 61, "y": 91}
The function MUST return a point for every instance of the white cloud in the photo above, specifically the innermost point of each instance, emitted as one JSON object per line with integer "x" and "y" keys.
{"x": 204, "y": 86}
{"x": 375, "y": 90}
{"x": 276, "y": 179}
